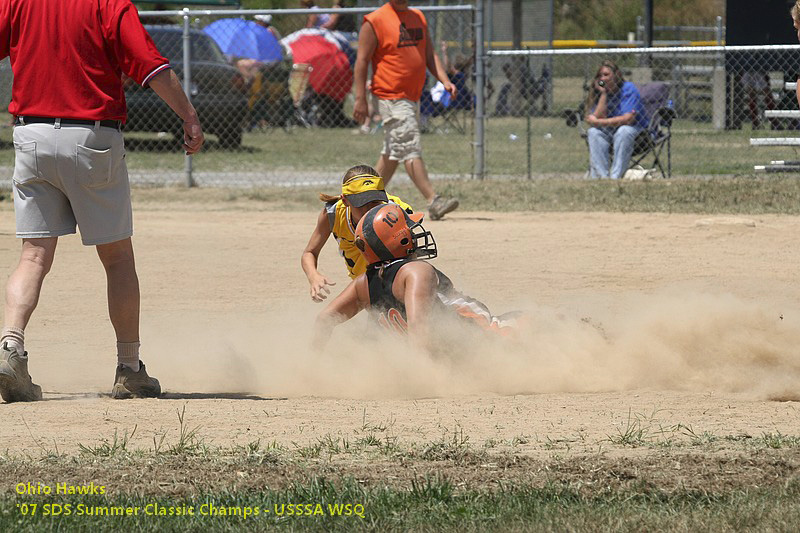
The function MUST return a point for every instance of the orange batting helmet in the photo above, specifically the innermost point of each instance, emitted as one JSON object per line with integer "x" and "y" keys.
{"x": 387, "y": 232}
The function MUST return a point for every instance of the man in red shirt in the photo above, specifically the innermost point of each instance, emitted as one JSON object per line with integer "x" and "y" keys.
{"x": 395, "y": 39}
{"x": 67, "y": 57}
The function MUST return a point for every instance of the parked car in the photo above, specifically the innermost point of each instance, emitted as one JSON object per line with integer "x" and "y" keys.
{"x": 218, "y": 90}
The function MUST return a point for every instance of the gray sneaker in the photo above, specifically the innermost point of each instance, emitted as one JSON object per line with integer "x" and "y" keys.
{"x": 130, "y": 384}
{"x": 440, "y": 206}
{"x": 16, "y": 384}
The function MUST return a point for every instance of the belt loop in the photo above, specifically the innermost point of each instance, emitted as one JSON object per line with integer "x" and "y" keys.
{"x": 21, "y": 120}
{"x": 57, "y": 123}
{"x": 96, "y": 125}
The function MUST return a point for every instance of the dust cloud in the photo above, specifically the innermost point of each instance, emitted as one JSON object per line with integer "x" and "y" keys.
{"x": 663, "y": 341}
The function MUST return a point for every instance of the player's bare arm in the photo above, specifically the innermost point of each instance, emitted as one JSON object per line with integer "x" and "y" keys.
{"x": 319, "y": 282}
{"x": 167, "y": 86}
{"x": 415, "y": 286}
{"x": 345, "y": 306}
{"x": 367, "y": 42}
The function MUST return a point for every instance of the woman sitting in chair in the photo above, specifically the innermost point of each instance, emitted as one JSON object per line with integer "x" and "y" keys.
{"x": 615, "y": 115}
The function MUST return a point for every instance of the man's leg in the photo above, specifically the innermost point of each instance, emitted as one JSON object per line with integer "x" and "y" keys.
{"x": 599, "y": 146}
{"x": 123, "y": 288}
{"x": 416, "y": 170}
{"x": 25, "y": 283}
{"x": 386, "y": 168}
{"x": 123, "y": 308}
{"x": 22, "y": 295}
{"x": 411, "y": 154}
{"x": 624, "y": 142}
{"x": 438, "y": 206}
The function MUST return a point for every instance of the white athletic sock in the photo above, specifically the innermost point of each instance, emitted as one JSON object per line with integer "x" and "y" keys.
{"x": 15, "y": 338}
{"x": 128, "y": 355}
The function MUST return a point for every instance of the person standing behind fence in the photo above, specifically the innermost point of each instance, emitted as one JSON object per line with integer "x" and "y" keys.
{"x": 67, "y": 57}
{"x": 395, "y": 39}
{"x": 615, "y": 114}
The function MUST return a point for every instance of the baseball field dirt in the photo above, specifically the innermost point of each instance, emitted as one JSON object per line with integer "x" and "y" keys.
{"x": 657, "y": 348}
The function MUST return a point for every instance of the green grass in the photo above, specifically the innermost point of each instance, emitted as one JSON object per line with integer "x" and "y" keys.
{"x": 380, "y": 484}
{"x": 697, "y": 150}
{"x": 426, "y": 504}
{"x": 709, "y": 196}
{"x": 739, "y": 196}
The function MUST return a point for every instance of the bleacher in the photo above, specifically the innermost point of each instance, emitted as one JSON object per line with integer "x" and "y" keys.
{"x": 779, "y": 165}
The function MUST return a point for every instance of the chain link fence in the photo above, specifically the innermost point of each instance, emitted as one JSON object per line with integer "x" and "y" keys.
{"x": 274, "y": 92}
{"x": 723, "y": 97}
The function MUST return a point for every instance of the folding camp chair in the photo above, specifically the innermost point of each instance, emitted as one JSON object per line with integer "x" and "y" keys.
{"x": 651, "y": 141}
{"x": 444, "y": 114}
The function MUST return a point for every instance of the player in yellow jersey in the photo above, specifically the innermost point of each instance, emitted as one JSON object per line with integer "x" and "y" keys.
{"x": 362, "y": 189}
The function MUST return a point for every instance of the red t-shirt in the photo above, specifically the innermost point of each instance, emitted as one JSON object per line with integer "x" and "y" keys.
{"x": 399, "y": 61}
{"x": 67, "y": 56}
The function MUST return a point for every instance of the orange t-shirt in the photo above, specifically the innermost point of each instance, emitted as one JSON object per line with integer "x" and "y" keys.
{"x": 398, "y": 64}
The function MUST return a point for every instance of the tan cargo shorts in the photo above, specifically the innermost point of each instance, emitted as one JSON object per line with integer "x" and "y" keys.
{"x": 401, "y": 138}
{"x": 71, "y": 175}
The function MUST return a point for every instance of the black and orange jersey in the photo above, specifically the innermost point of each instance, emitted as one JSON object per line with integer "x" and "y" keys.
{"x": 391, "y": 312}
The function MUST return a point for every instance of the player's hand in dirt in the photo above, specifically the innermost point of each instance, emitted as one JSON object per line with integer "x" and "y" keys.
{"x": 319, "y": 287}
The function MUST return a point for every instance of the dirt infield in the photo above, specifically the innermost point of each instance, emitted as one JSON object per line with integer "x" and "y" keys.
{"x": 652, "y": 327}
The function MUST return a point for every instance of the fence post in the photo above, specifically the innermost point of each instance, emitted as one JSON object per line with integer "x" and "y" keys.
{"x": 187, "y": 86}
{"x": 528, "y": 131}
{"x": 719, "y": 81}
{"x": 480, "y": 80}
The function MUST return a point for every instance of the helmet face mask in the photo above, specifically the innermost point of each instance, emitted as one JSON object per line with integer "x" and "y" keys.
{"x": 424, "y": 243}
{"x": 387, "y": 232}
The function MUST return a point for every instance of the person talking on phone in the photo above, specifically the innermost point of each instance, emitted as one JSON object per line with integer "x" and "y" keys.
{"x": 615, "y": 115}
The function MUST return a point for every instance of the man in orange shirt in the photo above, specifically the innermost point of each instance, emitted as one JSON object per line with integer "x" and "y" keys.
{"x": 395, "y": 39}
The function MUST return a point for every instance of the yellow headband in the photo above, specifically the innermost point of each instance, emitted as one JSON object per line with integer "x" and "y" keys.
{"x": 362, "y": 183}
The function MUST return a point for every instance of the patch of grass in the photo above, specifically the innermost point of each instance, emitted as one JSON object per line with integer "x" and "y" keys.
{"x": 697, "y": 150}
{"x": 696, "y": 439}
{"x": 118, "y": 445}
{"x": 189, "y": 441}
{"x": 254, "y": 454}
{"x": 452, "y": 447}
{"x": 634, "y": 432}
{"x": 779, "y": 440}
{"x": 745, "y": 196}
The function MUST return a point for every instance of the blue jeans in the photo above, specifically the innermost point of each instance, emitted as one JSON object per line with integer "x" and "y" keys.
{"x": 600, "y": 140}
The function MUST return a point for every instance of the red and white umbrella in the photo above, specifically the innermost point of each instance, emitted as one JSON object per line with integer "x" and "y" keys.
{"x": 331, "y": 73}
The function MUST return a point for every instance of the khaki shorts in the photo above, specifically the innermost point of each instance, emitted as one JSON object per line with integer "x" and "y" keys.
{"x": 401, "y": 140}
{"x": 71, "y": 175}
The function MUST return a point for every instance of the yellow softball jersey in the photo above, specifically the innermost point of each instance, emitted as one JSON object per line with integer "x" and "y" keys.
{"x": 345, "y": 233}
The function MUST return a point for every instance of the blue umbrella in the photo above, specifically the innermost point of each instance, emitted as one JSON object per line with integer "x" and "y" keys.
{"x": 245, "y": 38}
